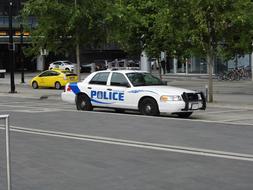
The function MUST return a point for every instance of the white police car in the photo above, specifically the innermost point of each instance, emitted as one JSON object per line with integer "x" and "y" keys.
{"x": 132, "y": 90}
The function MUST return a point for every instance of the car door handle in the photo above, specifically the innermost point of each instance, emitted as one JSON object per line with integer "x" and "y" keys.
{"x": 109, "y": 89}
{"x": 89, "y": 88}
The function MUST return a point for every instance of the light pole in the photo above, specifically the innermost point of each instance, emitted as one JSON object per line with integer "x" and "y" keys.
{"x": 21, "y": 54}
{"x": 77, "y": 51}
{"x": 11, "y": 49}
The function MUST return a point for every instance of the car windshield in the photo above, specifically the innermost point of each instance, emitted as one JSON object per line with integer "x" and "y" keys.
{"x": 144, "y": 79}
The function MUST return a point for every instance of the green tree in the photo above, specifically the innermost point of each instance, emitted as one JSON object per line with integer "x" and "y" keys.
{"x": 186, "y": 28}
{"x": 64, "y": 25}
{"x": 131, "y": 22}
{"x": 217, "y": 23}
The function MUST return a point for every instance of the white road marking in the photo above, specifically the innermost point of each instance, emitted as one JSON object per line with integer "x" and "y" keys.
{"x": 137, "y": 144}
{"x": 69, "y": 109}
{"x": 33, "y": 109}
{"x": 237, "y": 119}
{"x": 163, "y": 118}
{"x": 34, "y": 103}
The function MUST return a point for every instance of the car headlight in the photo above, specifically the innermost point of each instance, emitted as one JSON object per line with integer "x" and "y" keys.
{"x": 166, "y": 98}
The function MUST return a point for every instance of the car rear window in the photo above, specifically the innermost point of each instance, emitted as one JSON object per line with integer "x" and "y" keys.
{"x": 100, "y": 78}
{"x": 71, "y": 74}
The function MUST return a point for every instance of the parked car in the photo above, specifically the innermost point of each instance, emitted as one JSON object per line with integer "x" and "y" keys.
{"x": 134, "y": 90}
{"x": 121, "y": 63}
{"x": 53, "y": 78}
{"x": 86, "y": 68}
{"x": 62, "y": 65}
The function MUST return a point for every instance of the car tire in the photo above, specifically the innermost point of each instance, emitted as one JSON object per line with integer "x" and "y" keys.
{"x": 184, "y": 114}
{"x": 67, "y": 69}
{"x": 35, "y": 85}
{"x": 83, "y": 103}
{"x": 57, "y": 85}
{"x": 149, "y": 106}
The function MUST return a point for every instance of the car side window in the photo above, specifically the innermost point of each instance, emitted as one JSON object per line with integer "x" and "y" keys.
{"x": 57, "y": 63}
{"x": 119, "y": 79}
{"x": 100, "y": 78}
{"x": 53, "y": 73}
{"x": 45, "y": 74}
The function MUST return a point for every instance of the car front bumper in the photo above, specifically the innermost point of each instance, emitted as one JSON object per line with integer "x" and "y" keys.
{"x": 188, "y": 104}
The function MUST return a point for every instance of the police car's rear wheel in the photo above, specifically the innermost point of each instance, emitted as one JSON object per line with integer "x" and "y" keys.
{"x": 83, "y": 103}
{"x": 184, "y": 114}
{"x": 149, "y": 107}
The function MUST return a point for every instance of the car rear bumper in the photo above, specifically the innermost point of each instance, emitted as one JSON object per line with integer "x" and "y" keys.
{"x": 68, "y": 97}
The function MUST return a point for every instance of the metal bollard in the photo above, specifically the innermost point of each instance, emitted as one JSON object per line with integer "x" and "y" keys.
{"x": 8, "y": 155}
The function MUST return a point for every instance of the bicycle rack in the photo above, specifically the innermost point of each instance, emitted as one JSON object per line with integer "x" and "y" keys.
{"x": 8, "y": 156}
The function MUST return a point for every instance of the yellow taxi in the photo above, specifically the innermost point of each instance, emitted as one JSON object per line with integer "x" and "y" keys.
{"x": 53, "y": 78}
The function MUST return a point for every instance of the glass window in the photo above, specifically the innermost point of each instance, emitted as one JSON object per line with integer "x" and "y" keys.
{"x": 45, "y": 74}
{"x": 57, "y": 63}
{"x": 53, "y": 73}
{"x": 119, "y": 79}
{"x": 100, "y": 78}
{"x": 143, "y": 79}
{"x": 68, "y": 62}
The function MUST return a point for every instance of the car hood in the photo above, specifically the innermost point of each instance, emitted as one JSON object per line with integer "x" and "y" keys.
{"x": 164, "y": 90}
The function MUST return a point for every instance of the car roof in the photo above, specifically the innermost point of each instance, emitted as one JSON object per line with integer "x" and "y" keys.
{"x": 62, "y": 61}
{"x": 122, "y": 71}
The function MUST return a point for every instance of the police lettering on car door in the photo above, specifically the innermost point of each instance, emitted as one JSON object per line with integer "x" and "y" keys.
{"x": 107, "y": 95}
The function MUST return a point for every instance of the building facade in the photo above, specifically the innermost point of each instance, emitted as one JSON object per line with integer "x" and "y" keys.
{"x": 16, "y": 32}
{"x": 39, "y": 62}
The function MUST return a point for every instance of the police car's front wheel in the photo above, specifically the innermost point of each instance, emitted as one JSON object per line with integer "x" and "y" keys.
{"x": 83, "y": 103}
{"x": 148, "y": 106}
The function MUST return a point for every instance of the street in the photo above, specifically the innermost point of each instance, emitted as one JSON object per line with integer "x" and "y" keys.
{"x": 177, "y": 75}
{"x": 53, "y": 146}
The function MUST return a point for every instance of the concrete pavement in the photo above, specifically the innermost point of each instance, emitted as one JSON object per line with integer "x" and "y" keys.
{"x": 229, "y": 94}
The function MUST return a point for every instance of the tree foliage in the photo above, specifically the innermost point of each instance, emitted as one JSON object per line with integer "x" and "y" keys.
{"x": 185, "y": 28}
{"x": 62, "y": 24}
{"x": 182, "y": 28}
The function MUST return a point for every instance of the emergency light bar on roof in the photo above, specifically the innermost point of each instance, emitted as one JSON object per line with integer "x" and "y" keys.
{"x": 123, "y": 68}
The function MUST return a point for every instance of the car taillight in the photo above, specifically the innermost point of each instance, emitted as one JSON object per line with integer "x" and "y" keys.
{"x": 68, "y": 89}
{"x": 64, "y": 77}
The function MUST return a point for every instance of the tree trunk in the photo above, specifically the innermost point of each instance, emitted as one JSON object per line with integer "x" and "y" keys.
{"x": 78, "y": 61}
{"x": 210, "y": 62}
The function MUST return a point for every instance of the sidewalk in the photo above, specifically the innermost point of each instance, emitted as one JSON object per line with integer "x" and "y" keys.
{"x": 227, "y": 94}
{"x": 24, "y": 90}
